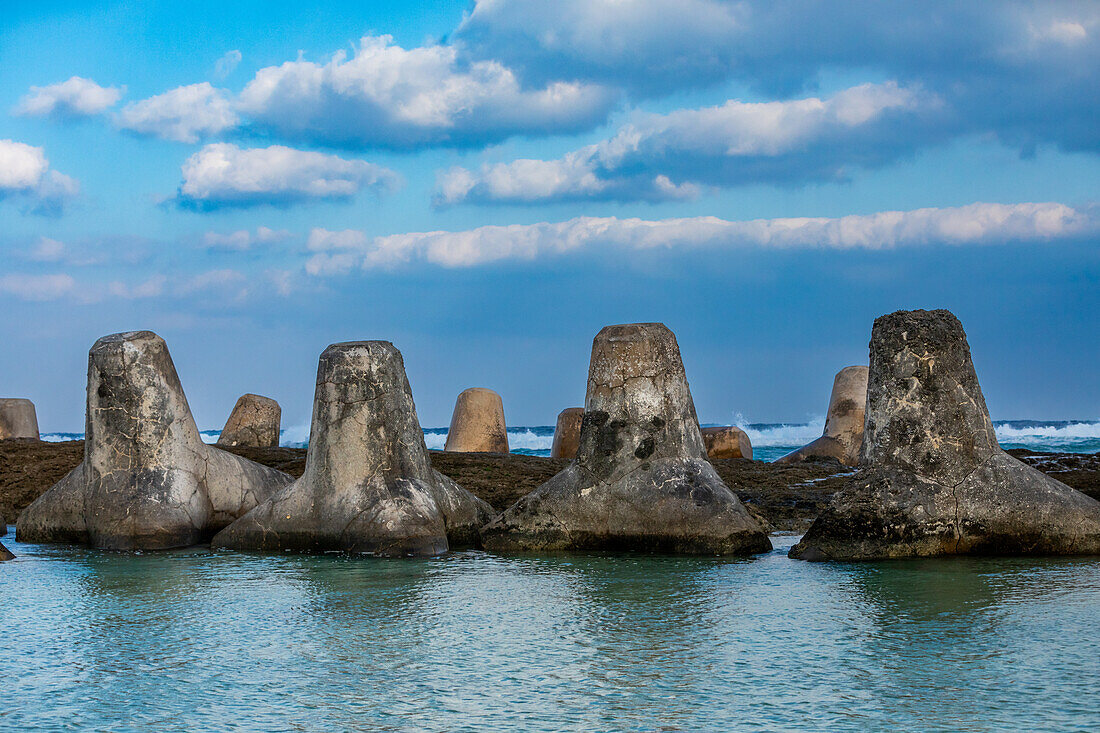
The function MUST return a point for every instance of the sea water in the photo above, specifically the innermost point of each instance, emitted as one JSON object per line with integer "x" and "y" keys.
{"x": 199, "y": 640}
{"x": 769, "y": 440}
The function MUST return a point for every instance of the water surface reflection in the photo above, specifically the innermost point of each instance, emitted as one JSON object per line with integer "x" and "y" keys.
{"x": 200, "y": 640}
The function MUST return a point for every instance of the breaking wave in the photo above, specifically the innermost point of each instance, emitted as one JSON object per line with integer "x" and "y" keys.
{"x": 769, "y": 440}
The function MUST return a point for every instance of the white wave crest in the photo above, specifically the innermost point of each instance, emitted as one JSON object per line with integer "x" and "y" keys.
{"x": 1074, "y": 431}
{"x": 783, "y": 436}
{"x": 435, "y": 441}
{"x": 527, "y": 440}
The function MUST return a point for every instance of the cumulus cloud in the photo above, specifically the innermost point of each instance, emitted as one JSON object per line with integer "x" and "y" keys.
{"x": 26, "y": 176}
{"x": 669, "y": 156}
{"x": 185, "y": 114}
{"x": 388, "y": 96}
{"x": 221, "y": 174}
{"x": 243, "y": 239}
{"x": 1024, "y": 71}
{"x": 77, "y": 97}
{"x": 975, "y": 224}
{"x": 37, "y": 287}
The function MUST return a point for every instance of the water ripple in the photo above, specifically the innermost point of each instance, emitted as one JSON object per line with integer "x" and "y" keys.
{"x": 197, "y": 640}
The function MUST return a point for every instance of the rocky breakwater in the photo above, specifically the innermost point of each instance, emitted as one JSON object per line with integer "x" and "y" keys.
{"x": 640, "y": 480}
{"x": 147, "y": 480}
{"x": 843, "y": 436}
{"x": 254, "y": 423}
{"x": 933, "y": 480}
{"x": 477, "y": 423}
{"x": 368, "y": 485}
{"x": 18, "y": 419}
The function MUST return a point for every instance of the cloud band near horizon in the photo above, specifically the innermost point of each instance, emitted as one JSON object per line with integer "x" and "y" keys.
{"x": 336, "y": 252}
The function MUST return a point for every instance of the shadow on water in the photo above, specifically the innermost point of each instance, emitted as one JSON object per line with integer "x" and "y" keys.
{"x": 202, "y": 640}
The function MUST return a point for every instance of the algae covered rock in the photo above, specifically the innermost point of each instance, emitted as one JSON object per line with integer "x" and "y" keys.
{"x": 641, "y": 480}
{"x": 147, "y": 480}
{"x": 368, "y": 486}
{"x": 933, "y": 480}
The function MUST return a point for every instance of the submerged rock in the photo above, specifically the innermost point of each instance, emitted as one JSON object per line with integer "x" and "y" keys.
{"x": 368, "y": 485}
{"x": 254, "y": 422}
{"x": 567, "y": 433}
{"x": 18, "y": 419}
{"x": 147, "y": 480}
{"x": 728, "y": 442}
{"x": 641, "y": 480}
{"x": 477, "y": 424}
{"x": 843, "y": 436}
{"x": 933, "y": 480}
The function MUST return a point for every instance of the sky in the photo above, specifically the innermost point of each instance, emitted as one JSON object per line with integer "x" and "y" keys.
{"x": 487, "y": 184}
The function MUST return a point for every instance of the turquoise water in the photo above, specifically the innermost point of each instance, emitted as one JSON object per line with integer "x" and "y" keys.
{"x": 195, "y": 640}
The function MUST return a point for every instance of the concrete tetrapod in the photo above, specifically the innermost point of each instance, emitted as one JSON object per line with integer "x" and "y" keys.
{"x": 843, "y": 436}
{"x": 254, "y": 422}
{"x": 477, "y": 424}
{"x": 641, "y": 480}
{"x": 933, "y": 480}
{"x": 727, "y": 442}
{"x": 567, "y": 433}
{"x": 147, "y": 480}
{"x": 368, "y": 485}
{"x": 18, "y": 419}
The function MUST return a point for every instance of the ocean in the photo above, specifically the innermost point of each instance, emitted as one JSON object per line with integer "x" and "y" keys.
{"x": 769, "y": 440}
{"x": 195, "y": 640}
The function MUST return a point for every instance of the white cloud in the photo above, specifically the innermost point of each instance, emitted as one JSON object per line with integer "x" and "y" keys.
{"x": 25, "y": 174}
{"x": 224, "y": 282}
{"x": 385, "y": 95}
{"x": 334, "y": 251}
{"x": 243, "y": 239}
{"x": 1024, "y": 71}
{"x": 668, "y": 156}
{"x": 222, "y": 174}
{"x": 976, "y": 224}
{"x": 48, "y": 250}
{"x": 227, "y": 63}
{"x": 184, "y": 114}
{"x": 77, "y": 97}
{"x": 1065, "y": 32}
{"x": 37, "y": 287}
{"x": 151, "y": 288}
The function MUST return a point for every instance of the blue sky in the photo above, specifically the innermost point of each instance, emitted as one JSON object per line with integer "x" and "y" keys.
{"x": 487, "y": 184}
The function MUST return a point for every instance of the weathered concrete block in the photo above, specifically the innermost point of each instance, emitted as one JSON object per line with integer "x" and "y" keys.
{"x": 567, "y": 433}
{"x": 843, "y": 436}
{"x": 18, "y": 419}
{"x": 254, "y": 422}
{"x": 727, "y": 442}
{"x": 640, "y": 480}
{"x": 477, "y": 424}
{"x": 368, "y": 485}
{"x": 147, "y": 480}
{"x": 933, "y": 480}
